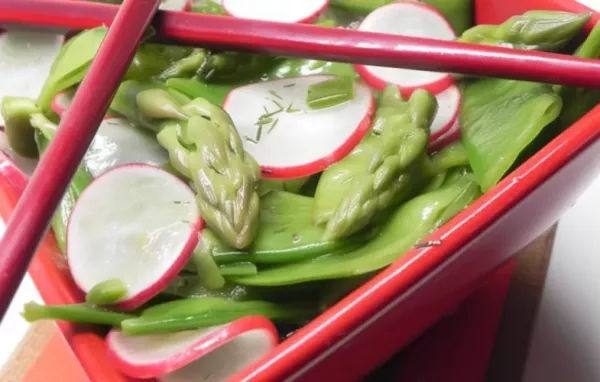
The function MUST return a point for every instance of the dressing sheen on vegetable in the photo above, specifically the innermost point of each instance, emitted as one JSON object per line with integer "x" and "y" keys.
{"x": 228, "y": 192}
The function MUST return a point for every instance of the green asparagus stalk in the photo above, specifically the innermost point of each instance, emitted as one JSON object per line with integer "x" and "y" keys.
{"x": 533, "y": 30}
{"x": 382, "y": 171}
{"x": 205, "y": 147}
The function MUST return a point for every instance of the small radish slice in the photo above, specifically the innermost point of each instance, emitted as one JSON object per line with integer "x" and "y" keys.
{"x": 176, "y": 5}
{"x": 448, "y": 106}
{"x": 62, "y": 101}
{"x": 117, "y": 143}
{"x": 25, "y": 61}
{"x": 407, "y": 19}
{"x": 450, "y": 136}
{"x": 209, "y": 354}
{"x": 136, "y": 223}
{"x": 303, "y": 11}
{"x": 299, "y": 141}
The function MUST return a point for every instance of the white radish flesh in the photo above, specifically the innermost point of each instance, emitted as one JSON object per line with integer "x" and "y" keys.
{"x": 448, "y": 107}
{"x": 407, "y": 19}
{"x": 175, "y": 5}
{"x": 136, "y": 223}
{"x": 25, "y": 61}
{"x": 211, "y": 354}
{"x": 299, "y": 141}
{"x": 276, "y": 10}
{"x": 117, "y": 143}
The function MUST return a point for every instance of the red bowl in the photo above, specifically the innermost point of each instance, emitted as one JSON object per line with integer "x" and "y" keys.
{"x": 370, "y": 325}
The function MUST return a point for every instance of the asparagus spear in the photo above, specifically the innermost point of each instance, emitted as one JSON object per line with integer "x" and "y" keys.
{"x": 383, "y": 170}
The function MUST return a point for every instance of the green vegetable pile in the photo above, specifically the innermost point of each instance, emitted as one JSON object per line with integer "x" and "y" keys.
{"x": 287, "y": 249}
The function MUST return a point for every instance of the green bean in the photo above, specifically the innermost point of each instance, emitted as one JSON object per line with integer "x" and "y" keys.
{"x": 78, "y": 313}
{"x": 243, "y": 268}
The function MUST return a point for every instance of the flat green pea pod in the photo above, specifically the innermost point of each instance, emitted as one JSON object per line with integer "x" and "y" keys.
{"x": 208, "y": 149}
{"x": 193, "y": 88}
{"x": 499, "y": 119}
{"x": 79, "y": 313}
{"x": 534, "y": 30}
{"x": 285, "y": 234}
{"x": 17, "y": 112}
{"x": 289, "y": 185}
{"x": 444, "y": 161}
{"x": 385, "y": 169}
{"x": 290, "y": 68}
{"x": 412, "y": 222}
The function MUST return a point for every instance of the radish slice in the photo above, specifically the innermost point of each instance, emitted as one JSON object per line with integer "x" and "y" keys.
{"x": 450, "y": 136}
{"x": 136, "y": 223}
{"x": 407, "y": 19}
{"x": 448, "y": 106}
{"x": 303, "y": 11}
{"x": 62, "y": 101}
{"x": 25, "y": 61}
{"x": 176, "y": 5}
{"x": 117, "y": 143}
{"x": 210, "y": 354}
{"x": 299, "y": 141}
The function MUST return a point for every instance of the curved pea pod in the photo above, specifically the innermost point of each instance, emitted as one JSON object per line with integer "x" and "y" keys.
{"x": 186, "y": 66}
{"x": 533, "y": 30}
{"x": 499, "y": 119}
{"x": 443, "y": 162}
{"x": 386, "y": 168}
{"x": 410, "y": 223}
{"x": 151, "y": 60}
{"x": 71, "y": 64}
{"x": 286, "y": 234}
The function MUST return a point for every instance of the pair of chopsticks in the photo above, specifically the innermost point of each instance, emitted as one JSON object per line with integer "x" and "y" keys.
{"x": 45, "y": 189}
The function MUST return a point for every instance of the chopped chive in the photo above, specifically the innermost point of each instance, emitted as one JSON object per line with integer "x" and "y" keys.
{"x": 262, "y": 122}
{"x": 274, "y": 94}
{"x": 330, "y": 93}
{"x": 289, "y": 85}
{"x": 289, "y": 109}
{"x": 265, "y": 109}
{"x": 277, "y": 104}
{"x": 273, "y": 126}
{"x": 249, "y": 139}
{"x": 259, "y": 133}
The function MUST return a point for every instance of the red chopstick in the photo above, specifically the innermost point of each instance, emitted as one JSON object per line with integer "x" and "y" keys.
{"x": 319, "y": 43}
{"x": 44, "y": 191}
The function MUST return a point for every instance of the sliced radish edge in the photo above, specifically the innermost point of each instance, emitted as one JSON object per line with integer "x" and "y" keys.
{"x": 279, "y": 11}
{"x": 143, "y": 242}
{"x": 128, "y": 352}
{"x": 379, "y": 77}
{"x": 449, "y": 102}
{"x": 320, "y": 130}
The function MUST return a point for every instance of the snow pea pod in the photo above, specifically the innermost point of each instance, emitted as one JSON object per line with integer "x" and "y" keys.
{"x": 286, "y": 234}
{"x": 386, "y": 168}
{"x": 499, "y": 119}
{"x": 410, "y": 223}
{"x": 533, "y": 30}
{"x": 193, "y": 88}
{"x": 107, "y": 292}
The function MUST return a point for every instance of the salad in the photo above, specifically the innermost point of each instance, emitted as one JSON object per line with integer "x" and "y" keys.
{"x": 229, "y": 198}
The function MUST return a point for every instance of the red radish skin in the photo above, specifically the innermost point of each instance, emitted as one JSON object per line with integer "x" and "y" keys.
{"x": 305, "y": 11}
{"x": 402, "y": 18}
{"x": 449, "y": 102}
{"x": 452, "y": 135}
{"x": 283, "y": 145}
{"x": 194, "y": 345}
{"x": 87, "y": 274}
